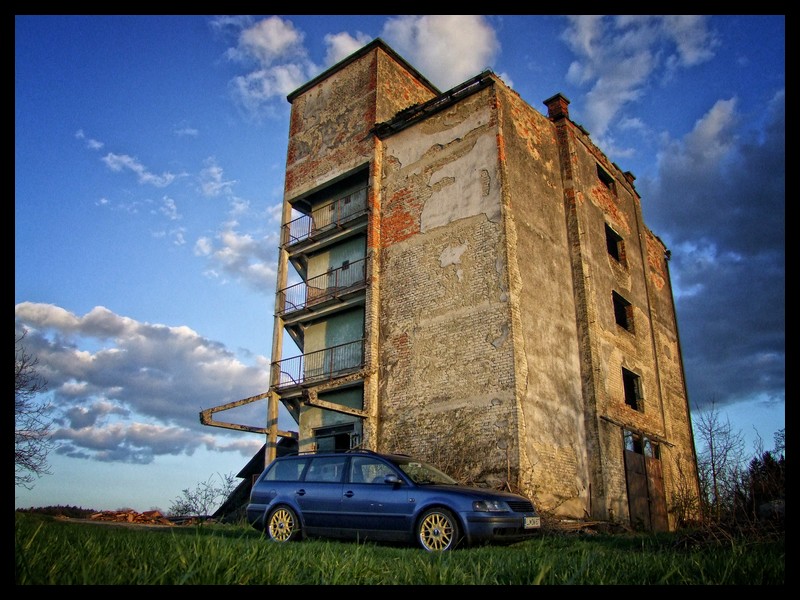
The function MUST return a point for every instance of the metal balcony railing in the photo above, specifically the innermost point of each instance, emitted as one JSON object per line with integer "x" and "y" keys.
{"x": 325, "y": 218}
{"x": 318, "y": 366}
{"x": 322, "y": 287}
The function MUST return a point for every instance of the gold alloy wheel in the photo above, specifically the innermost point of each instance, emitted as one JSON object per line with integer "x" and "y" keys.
{"x": 437, "y": 531}
{"x": 282, "y": 525}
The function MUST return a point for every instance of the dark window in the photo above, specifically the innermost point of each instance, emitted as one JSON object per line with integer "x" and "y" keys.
{"x": 336, "y": 438}
{"x": 640, "y": 444}
{"x": 607, "y": 179}
{"x": 328, "y": 469}
{"x": 615, "y": 245}
{"x": 632, "y": 384}
{"x": 623, "y": 312}
{"x": 286, "y": 470}
{"x": 368, "y": 470}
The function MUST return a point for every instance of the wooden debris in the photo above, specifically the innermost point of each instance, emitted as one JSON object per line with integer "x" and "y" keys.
{"x": 150, "y": 517}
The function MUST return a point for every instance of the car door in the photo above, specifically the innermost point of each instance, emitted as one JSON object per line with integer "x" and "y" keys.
{"x": 319, "y": 495}
{"x": 370, "y": 506}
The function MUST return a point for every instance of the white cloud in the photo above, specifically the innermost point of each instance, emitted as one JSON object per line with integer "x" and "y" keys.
{"x": 341, "y": 45}
{"x": 240, "y": 256}
{"x": 137, "y": 393}
{"x": 212, "y": 182}
{"x": 185, "y": 130}
{"x": 118, "y": 162}
{"x": 275, "y": 47}
{"x": 169, "y": 208}
{"x": 618, "y": 56}
{"x": 270, "y": 40}
{"x": 90, "y": 143}
{"x": 447, "y": 49}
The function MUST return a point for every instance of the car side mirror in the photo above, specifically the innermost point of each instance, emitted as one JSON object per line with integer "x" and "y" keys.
{"x": 392, "y": 478}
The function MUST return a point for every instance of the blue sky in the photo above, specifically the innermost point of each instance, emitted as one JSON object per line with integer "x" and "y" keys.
{"x": 149, "y": 162}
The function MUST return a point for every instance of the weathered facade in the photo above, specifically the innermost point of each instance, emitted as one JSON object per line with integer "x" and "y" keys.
{"x": 460, "y": 260}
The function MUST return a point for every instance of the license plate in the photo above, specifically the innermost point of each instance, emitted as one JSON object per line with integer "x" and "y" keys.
{"x": 532, "y": 522}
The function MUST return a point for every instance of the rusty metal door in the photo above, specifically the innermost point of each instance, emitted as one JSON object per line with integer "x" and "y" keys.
{"x": 646, "y": 499}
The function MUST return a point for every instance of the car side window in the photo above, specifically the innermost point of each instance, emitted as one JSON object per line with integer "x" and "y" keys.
{"x": 364, "y": 469}
{"x": 326, "y": 469}
{"x": 286, "y": 470}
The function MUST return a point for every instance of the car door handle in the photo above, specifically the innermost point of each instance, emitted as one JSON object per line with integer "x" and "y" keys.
{"x": 300, "y": 492}
{"x": 349, "y": 494}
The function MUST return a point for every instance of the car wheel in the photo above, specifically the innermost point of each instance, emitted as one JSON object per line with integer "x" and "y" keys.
{"x": 437, "y": 530}
{"x": 283, "y": 525}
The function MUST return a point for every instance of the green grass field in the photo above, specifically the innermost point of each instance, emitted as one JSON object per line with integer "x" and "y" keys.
{"x": 57, "y": 551}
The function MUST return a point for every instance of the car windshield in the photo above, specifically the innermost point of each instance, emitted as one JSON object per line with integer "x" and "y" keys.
{"x": 422, "y": 473}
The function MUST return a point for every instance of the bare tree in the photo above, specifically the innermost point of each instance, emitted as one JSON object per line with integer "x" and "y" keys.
{"x": 721, "y": 464}
{"x": 32, "y": 426}
{"x": 200, "y": 501}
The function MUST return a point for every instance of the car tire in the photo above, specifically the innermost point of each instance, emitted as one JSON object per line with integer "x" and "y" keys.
{"x": 437, "y": 530}
{"x": 283, "y": 525}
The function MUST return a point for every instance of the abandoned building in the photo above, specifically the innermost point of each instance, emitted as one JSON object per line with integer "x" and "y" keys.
{"x": 459, "y": 265}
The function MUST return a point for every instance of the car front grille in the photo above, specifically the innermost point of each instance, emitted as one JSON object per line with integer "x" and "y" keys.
{"x": 521, "y": 505}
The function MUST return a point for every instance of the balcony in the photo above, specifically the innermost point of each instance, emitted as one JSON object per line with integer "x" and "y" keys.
{"x": 325, "y": 219}
{"x": 317, "y": 367}
{"x": 318, "y": 290}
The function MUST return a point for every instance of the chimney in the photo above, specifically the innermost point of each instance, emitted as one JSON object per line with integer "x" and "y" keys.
{"x": 557, "y": 107}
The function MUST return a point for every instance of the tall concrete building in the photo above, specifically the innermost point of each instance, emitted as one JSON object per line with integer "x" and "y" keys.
{"x": 460, "y": 262}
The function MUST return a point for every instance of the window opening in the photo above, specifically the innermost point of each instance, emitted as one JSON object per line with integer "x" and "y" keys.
{"x": 615, "y": 245}
{"x": 623, "y": 312}
{"x": 641, "y": 444}
{"x": 338, "y": 438}
{"x": 607, "y": 179}
{"x": 631, "y": 382}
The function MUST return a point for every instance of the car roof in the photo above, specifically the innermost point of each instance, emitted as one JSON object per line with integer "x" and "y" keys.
{"x": 392, "y": 456}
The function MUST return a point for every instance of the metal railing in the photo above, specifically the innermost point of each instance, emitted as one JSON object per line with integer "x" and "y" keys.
{"x": 325, "y": 218}
{"x": 322, "y": 287}
{"x": 321, "y": 365}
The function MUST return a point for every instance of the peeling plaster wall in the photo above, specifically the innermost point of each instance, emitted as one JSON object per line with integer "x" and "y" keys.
{"x": 329, "y": 132}
{"x": 553, "y": 451}
{"x": 329, "y": 136}
{"x": 445, "y": 346}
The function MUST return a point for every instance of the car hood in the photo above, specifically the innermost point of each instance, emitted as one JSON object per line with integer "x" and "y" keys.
{"x": 476, "y": 492}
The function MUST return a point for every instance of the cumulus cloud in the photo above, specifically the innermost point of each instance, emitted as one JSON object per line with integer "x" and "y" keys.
{"x": 241, "y": 256}
{"x": 128, "y": 391}
{"x": 617, "y": 56}
{"x": 341, "y": 45}
{"x": 446, "y": 49}
{"x": 728, "y": 250}
{"x": 273, "y": 48}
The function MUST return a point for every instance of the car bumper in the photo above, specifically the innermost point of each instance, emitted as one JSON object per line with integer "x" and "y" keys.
{"x": 499, "y": 527}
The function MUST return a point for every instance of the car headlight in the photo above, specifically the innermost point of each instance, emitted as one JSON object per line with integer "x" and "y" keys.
{"x": 489, "y": 506}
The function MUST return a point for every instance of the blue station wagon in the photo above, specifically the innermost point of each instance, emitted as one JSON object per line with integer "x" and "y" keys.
{"x": 383, "y": 497}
